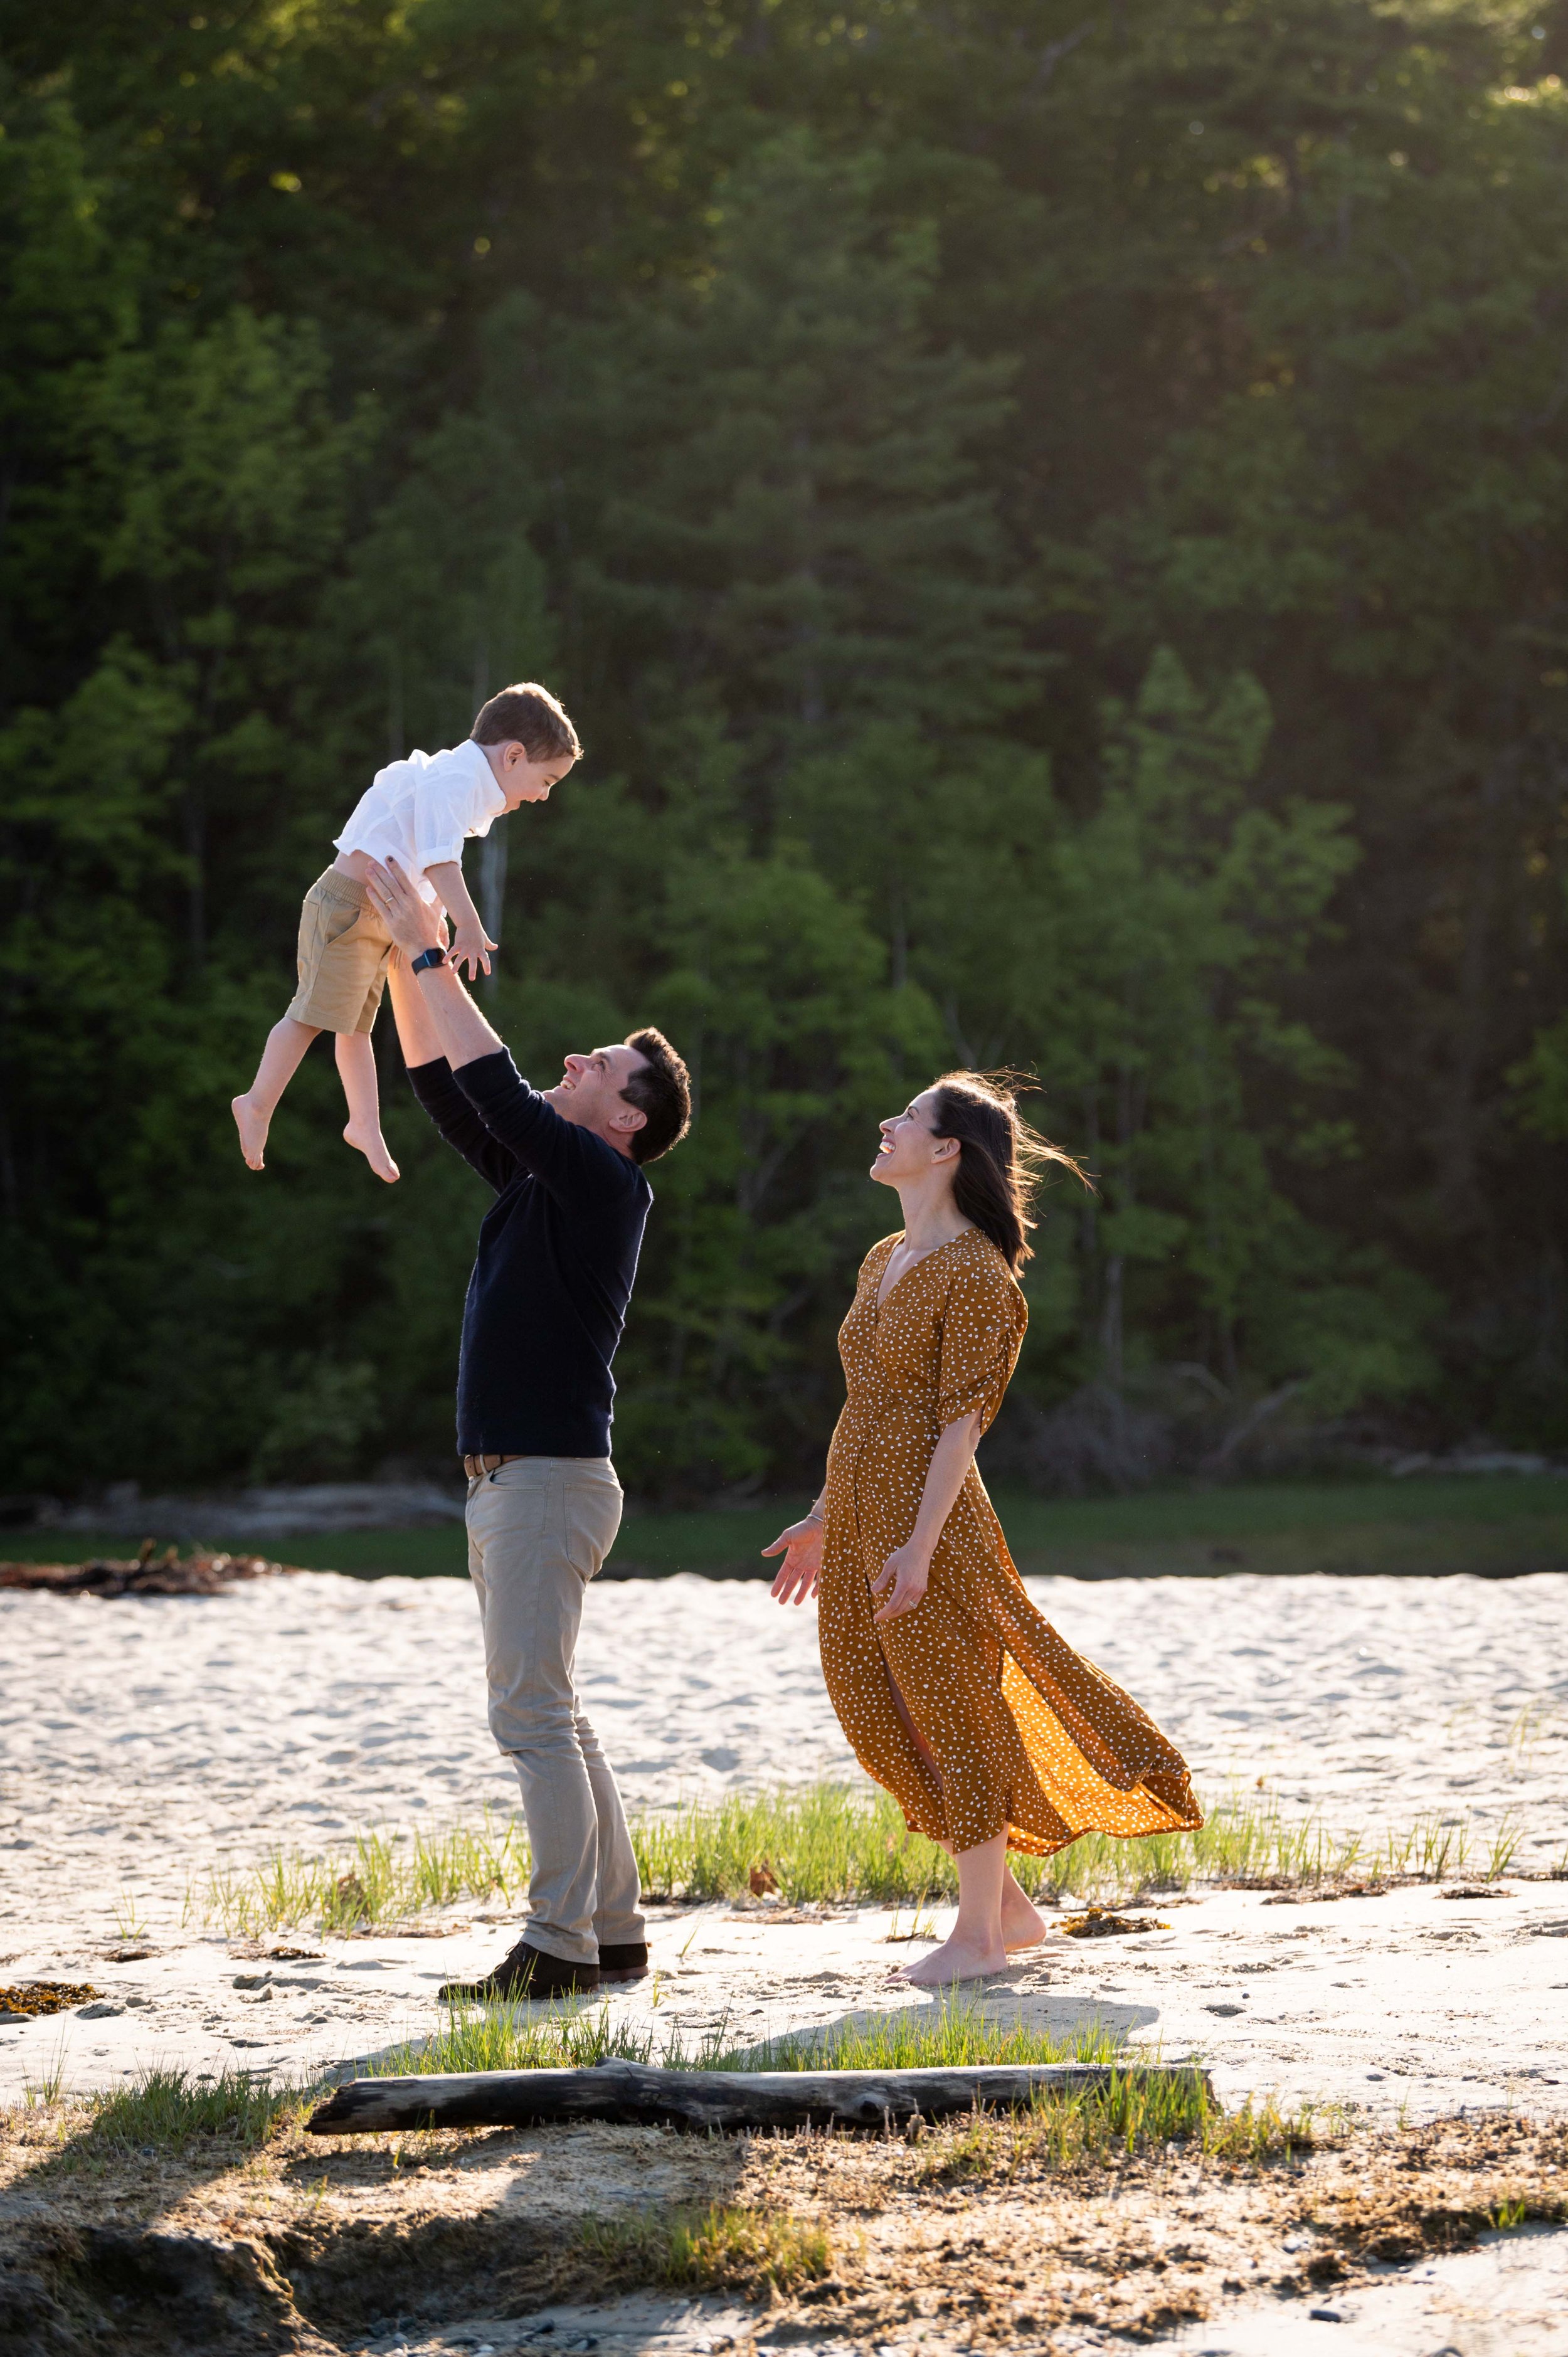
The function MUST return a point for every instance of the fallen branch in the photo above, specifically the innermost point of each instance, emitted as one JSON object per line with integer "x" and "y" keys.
{"x": 636, "y": 2093}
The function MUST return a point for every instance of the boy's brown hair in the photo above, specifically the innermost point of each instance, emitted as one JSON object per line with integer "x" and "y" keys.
{"x": 528, "y": 716}
{"x": 662, "y": 1088}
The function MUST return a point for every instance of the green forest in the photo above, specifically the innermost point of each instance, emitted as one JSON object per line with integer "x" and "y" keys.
{"x": 1052, "y": 523}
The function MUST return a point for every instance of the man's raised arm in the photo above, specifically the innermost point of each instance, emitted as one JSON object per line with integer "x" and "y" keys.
{"x": 436, "y": 1017}
{"x": 425, "y": 1052}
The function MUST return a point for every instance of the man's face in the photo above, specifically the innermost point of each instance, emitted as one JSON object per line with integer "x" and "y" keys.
{"x": 589, "y": 1091}
{"x": 524, "y": 779}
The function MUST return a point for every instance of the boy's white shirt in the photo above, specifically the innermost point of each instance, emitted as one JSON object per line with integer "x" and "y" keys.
{"x": 420, "y": 811}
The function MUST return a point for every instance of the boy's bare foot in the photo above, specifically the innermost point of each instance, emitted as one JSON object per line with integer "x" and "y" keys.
{"x": 955, "y": 1960}
{"x": 1023, "y": 1925}
{"x": 253, "y": 1123}
{"x": 373, "y": 1147}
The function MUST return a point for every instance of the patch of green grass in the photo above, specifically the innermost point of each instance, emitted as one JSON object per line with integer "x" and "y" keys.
{"x": 167, "y": 2112}
{"x": 826, "y": 1844}
{"x": 166, "y": 2108}
{"x": 1481, "y": 1522}
{"x": 1133, "y": 2111}
{"x": 722, "y": 2248}
{"x": 512, "y": 2038}
{"x": 951, "y": 2034}
{"x": 837, "y": 1843}
{"x": 382, "y": 1879}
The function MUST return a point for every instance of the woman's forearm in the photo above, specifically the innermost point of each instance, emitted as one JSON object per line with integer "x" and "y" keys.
{"x": 951, "y": 1461}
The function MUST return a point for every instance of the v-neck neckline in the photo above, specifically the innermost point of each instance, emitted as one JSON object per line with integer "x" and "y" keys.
{"x": 880, "y": 1300}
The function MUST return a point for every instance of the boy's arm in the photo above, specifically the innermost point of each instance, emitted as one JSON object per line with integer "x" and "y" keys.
{"x": 471, "y": 941}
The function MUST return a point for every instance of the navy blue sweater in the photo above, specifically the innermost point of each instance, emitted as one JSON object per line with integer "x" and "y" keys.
{"x": 554, "y": 1274}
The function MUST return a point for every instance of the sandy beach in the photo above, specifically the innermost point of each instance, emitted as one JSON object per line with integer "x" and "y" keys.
{"x": 147, "y": 1742}
{"x": 150, "y": 1743}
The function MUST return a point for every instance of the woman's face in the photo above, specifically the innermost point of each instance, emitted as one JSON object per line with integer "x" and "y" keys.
{"x": 911, "y": 1146}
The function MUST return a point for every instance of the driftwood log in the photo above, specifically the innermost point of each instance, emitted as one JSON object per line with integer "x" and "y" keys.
{"x": 634, "y": 2092}
{"x": 200, "y": 1573}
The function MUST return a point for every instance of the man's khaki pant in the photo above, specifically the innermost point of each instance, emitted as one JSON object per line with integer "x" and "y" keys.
{"x": 538, "y": 1531}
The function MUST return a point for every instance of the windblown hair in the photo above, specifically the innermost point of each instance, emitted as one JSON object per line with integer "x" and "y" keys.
{"x": 662, "y": 1088}
{"x": 530, "y": 716}
{"x": 1001, "y": 1159}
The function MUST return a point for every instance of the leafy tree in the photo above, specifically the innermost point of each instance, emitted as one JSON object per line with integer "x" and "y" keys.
{"x": 1052, "y": 529}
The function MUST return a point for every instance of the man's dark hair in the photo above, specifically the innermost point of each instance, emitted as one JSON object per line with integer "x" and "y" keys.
{"x": 662, "y": 1088}
{"x": 530, "y": 716}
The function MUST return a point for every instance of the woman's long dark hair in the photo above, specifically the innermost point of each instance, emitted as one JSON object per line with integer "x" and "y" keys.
{"x": 1001, "y": 1159}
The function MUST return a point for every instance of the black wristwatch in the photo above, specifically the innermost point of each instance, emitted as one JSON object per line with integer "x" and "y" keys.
{"x": 436, "y": 956}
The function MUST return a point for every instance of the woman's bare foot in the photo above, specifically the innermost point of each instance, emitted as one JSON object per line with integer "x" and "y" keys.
{"x": 253, "y": 1121}
{"x": 373, "y": 1147}
{"x": 955, "y": 1960}
{"x": 1023, "y": 1925}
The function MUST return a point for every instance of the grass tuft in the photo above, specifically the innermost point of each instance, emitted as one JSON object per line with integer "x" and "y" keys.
{"x": 954, "y": 2035}
{"x": 167, "y": 2110}
{"x": 384, "y": 1878}
{"x": 722, "y": 2248}
{"x": 1133, "y": 2111}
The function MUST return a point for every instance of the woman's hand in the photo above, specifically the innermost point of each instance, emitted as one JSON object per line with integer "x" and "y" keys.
{"x": 802, "y": 1548}
{"x": 904, "y": 1575}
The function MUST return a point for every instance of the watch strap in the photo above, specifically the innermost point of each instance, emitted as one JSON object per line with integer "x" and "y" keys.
{"x": 428, "y": 958}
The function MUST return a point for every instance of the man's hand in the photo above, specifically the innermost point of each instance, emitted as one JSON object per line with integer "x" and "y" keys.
{"x": 471, "y": 941}
{"x": 801, "y": 1547}
{"x": 904, "y": 1575}
{"x": 415, "y": 925}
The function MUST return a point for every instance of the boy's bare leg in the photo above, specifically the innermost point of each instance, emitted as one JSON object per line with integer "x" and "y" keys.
{"x": 357, "y": 1070}
{"x": 281, "y": 1059}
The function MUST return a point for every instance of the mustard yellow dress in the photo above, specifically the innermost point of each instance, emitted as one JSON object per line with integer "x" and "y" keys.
{"x": 1027, "y": 1734}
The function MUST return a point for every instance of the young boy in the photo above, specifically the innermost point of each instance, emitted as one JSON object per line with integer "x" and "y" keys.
{"x": 417, "y": 814}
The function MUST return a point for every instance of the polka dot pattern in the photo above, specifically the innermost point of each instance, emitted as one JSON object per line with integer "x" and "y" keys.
{"x": 1027, "y": 1735}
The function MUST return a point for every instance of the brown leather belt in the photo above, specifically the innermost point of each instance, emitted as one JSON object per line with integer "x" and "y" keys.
{"x": 475, "y": 1466}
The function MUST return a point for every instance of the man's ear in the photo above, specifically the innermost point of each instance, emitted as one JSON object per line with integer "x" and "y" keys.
{"x": 628, "y": 1117}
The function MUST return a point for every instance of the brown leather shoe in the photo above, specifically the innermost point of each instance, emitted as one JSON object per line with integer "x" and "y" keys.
{"x": 525, "y": 1974}
{"x": 626, "y": 1963}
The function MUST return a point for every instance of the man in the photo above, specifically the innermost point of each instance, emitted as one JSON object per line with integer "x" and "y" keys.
{"x": 546, "y": 1304}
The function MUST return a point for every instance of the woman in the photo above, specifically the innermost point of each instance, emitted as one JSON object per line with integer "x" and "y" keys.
{"x": 990, "y": 1732}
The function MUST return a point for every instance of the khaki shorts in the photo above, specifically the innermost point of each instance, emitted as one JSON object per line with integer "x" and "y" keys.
{"x": 344, "y": 950}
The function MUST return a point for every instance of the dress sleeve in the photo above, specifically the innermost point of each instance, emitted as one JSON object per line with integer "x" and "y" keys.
{"x": 983, "y": 1320}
